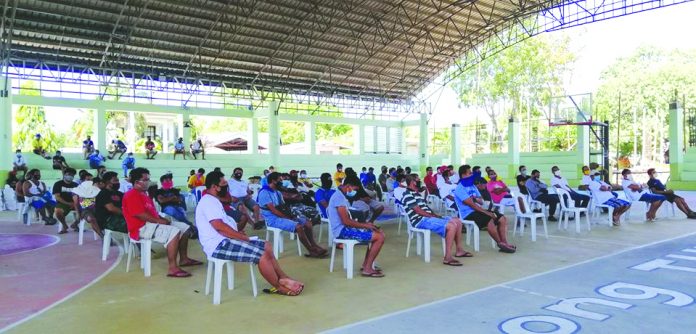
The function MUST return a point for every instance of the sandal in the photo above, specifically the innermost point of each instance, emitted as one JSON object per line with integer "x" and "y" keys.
{"x": 179, "y": 274}
{"x": 506, "y": 249}
{"x": 317, "y": 256}
{"x": 453, "y": 263}
{"x": 190, "y": 263}
{"x": 276, "y": 291}
{"x": 466, "y": 254}
{"x": 63, "y": 232}
{"x": 373, "y": 275}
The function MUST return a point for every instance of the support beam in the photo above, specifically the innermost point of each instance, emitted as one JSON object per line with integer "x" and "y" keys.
{"x": 253, "y": 142}
{"x": 513, "y": 147}
{"x": 310, "y": 137}
{"x": 676, "y": 141}
{"x": 423, "y": 156}
{"x": 130, "y": 131}
{"x": 455, "y": 142}
{"x": 100, "y": 130}
{"x": 359, "y": 133}
{"x": 186, "y": 131}
{"x": 583, "y": 145}
{"x": 6, "y": 149}
{"x": 273, "y": 133}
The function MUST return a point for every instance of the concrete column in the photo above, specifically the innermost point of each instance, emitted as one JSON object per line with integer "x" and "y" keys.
{"x": 6, "y": 149}
{"x": 513, "y": 147}
{"x": 100, "y": 129}
{"x": 423, "y": 156}
{"x": 387, "y": 139}
{"x": 583, "y": 144}
{"x": 253, "y": 141}
{"x": 455, "y": 141}
{"x": 186, "y": 131}
{"x": 273, "y": 133}
{"x": 359, "y": 138}
{"x": 676, "y": 141}
{"x": 131, "y": 136}
{"x": 310, "y": 138}
{"x": 166, "y": 140}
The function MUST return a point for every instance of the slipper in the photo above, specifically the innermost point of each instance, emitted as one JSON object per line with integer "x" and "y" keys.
{"x": 453, "y": 263}
{"x": 179, "y": 274}
{"x": 373, "y": 275}
{"x": 317, "y": 256}
{"x": 466, "y": 254}
{"x": 192, "y": 262}
{"x": 506, "y": 249}
{"x": 275, "y": 291}
{"x": 63, "y": 232}
{"x": 375, "y": 268}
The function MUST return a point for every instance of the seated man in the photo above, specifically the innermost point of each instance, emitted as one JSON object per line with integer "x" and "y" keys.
{"x": 118, "y": 147}
{"x": 636, "y": 192}
{"x": 241, "y": 197}
{"x": 87, "y": 147}
{"x": 657, "y": 187}
{"x": 305, "y": 180}
{"x": 278, "y": 215}
{"x": 143, "y": 221}
{"x": 499, "y": 191}
{"x": 128, "y": 164}
{"x": 480, "y": 184}
{"x": 108, "y": 206}
{"x": 369, "y": 208}
{"x": 586, "y": 179}
{"x": 37, "y": 196}
{"x": 220, "y": 238}
{"x": 196, "y": 180}
{"x": 429, "y": 181}
{"x": 602, "y": 194}
{"x": 150, "y": 151}
{"x": 400, "y": 189}
{"x": 59, "y": 161}
{"x": 179, "y": 148}
{"x": 62, "y": 191}
{"x": 344, "y": 227}
{"x": 169, "y": 200}
{"x": 522, "y": 178}
{"x": 38, "y": 147}
{"x": 197, "y": 147}
{"x": 560, "y": 182}
{"x": 96, "y": 160}
{"x": 19, "y": 163}
{"x": 84, "y": 200}
{"x": 539, "y": 191}
{"x": 324, "y": 193}
{"x": 446, "y": 188}
{"x": 421, "y": 216}
{"x": 468, "y": 200}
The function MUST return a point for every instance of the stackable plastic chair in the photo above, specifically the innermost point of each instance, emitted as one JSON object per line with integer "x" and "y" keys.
{"x": 214, "y": 271}
{"x": 81, "y": 232}
{"x": 278, "y": 245}
{"x": 567, "y": 210}
{"x": 520, "y": 217}
{"x": 422, "y": 241}
{"x": 595, "y": 205}
{"x": 106, "y": 242}
{"x": 642, "y": 206}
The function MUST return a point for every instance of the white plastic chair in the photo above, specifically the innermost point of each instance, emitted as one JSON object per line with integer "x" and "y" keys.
{"x": 348, "y": 254}
{"x": 595, "y": 205}
{"x": 669, "y": 205}
{"x": 75, "y": 218}
{"x": 642, "y": 206}
{"x": 214, "y": 271}
{"x": 9, "y": 198}
{"x": 106, "y": 242}
{"x": 567, "y": 210}
{"x": 324, "y": 220}
{"x": 422, "y": 241}
{"x": 534, "y": 204}
{"x": 402, "y": 216}
{"x": 145, "y": 254}
{"x": 520, "y": 218}
{"x": 278, "y": 245}
{"x": 81, "y": 232}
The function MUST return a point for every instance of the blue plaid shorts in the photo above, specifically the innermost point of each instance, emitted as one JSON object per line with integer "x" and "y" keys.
{"x": 240, "y": 251}
{"x": 359, "y": 234}
{"x": 615, "y": 203}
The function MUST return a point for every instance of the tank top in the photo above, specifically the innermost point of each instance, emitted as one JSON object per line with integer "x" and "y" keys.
{"x": 36, "y": 189}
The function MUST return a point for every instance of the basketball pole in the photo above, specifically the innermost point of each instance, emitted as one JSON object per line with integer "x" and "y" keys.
{"x": 618, "y": 134}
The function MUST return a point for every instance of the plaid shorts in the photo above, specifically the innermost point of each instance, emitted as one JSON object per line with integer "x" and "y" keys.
{"x": 240, "y": 251}
{"x": 615, "y": 203}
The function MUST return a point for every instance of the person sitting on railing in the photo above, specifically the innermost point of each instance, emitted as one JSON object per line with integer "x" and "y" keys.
{"x": 87, "y": 147}
{"x": 59, "y": 162}
{"x": 422, "y": 217}
{"x": 602, "y": 193}
{"x": 468, "y": 200}
{"x": 657, "y": 187}
{"x": 38, "y": 147}
{"x": 128, "y": 164}
{"x": 197, "y": 147}
{"x": 150, "y": 151}
{"x": 539, "y": 191}
{"x": 560, "y": 182}
{"x": 339, "y": 175}
{"x": 118, "y": 146}
{"x": 96, "y": 160}
{"x": 179, "y": 148}
{"x": 19, "y": 162}
{"x": 637, "y": 192}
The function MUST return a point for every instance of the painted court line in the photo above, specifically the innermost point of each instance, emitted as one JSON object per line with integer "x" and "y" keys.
{"x": 55, "y": 241}
{"x": 595, "y": 240}
{"x": 504, "y": 285}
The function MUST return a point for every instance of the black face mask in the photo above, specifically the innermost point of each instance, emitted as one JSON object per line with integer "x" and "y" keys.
{"x": 36, "y": 177}
{"x": 238, "y": 176}
{"x": 116, "y": 186}
{"x": 418, "y": 184}
{"x": 224, "y": 190}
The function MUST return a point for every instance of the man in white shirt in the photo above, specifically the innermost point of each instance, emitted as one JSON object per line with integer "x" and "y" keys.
{"x": 560, "y": 182}
{"x": 586, "y": 178}
{"x": 19, "y": 163}
{"x": 220, "y": 239}
{"x": 602, "y": 194}
{"x": 445, "y": 187}
{"x": 399, "y": 191}
{"x": 241, "y": 196}
{"x": 636, "y": 192}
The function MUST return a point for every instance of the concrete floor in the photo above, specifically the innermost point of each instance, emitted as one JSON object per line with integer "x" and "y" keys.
{"x": 129, "y": 302}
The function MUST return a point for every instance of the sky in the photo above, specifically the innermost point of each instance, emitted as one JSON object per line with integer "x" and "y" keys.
{"x": 596, "y": 45}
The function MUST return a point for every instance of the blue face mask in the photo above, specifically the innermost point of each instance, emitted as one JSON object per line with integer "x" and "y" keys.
{"x": 287, "y": 183}
{"x": 597, "y": 178}
{"x": 468, "y": 181}
{"x": 352, "y": 193}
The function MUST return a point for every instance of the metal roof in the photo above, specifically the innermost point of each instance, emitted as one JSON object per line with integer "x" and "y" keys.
{"x": 374, "y": 48}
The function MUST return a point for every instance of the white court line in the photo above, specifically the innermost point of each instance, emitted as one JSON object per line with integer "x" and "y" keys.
{"x": 55, "y": 241}
{"x": 32, "y": 316}
{"x": 593, "y": 240}
{"x": 501, "y": 285}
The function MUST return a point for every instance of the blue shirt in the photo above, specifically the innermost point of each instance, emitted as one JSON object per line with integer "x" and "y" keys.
{"x": 534, "y": 187}
{"x": 657, "y": 184}
{"x": 95, "y": 159}
{"x": 266, "y": 196}
{"x": 128, "y": 162}
{"x": 323, "y": 195}
{"x": 179, "y": 146}
{"x": 462, "y": 193}
{"x": 370, "y": 178}
{"x": 338, "y": 199}
{"x": 87, "y": 143}
{"x": 363, "y": 178}
{"x": 121, "y": 145}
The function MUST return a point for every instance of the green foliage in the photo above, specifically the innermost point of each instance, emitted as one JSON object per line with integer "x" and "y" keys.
{"x": 31, "y": 120}
{"x": 440, "y": 142}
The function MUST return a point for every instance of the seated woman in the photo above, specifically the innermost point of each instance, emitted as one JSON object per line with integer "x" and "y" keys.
{"x": 278, "y": 215}
{"x": 85, "y": 201}
{"x": 499, "y": 191}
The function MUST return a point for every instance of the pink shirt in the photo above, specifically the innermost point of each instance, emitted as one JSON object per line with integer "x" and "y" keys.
{"x": 495, "y": 185}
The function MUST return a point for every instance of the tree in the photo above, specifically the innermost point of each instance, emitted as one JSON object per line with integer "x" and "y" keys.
{"x": 30, "y": 120}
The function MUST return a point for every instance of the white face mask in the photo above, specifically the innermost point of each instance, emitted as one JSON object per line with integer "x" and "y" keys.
{"x": 557, "y": 173}
{"x": 403, "y": 184}
{"x": 303, "y": 175}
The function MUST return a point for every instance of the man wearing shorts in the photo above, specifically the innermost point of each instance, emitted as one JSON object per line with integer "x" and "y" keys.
{"x": 144, "y": 222}
{"x": 62, "y": 191}
{"x": 602, "y": 194}
{"x": 221, "y": 239}
{"x": 636, "y": 192}
{"x": 344, "y": 227}
{"x": 468, "y": 200}
{"x": 241, "y": 196}
{"x": 658, "y": 188}
{"x": 421, "y": 216}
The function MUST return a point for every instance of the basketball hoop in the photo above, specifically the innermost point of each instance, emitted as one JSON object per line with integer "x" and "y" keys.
{"x": 571, "y": 110}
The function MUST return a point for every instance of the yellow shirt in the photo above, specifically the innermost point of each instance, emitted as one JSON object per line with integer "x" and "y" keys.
{"x": 338, "y": 178}
{"x": 194, "y": 181}
{"x": 36, "y": 143}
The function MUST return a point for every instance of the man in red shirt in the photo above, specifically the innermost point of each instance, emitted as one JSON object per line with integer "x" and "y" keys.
{"x": 430, "y": 181}
{"x": 143, "y": 221}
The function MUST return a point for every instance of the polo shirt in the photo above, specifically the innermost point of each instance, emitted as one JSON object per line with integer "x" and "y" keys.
{"x": 136, "y": 202}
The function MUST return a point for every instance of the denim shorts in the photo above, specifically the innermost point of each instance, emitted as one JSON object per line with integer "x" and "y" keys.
{"x": 359, "y": 234}
{"x": 281, "y": 223}
{"x": 436, "y": 225}
{"x": 652, "y": 198}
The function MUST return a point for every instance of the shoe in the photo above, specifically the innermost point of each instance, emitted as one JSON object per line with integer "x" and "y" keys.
{"x": 552, "y": 219}
{"x": 536, "y": 210}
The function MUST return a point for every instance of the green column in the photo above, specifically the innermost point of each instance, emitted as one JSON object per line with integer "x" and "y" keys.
{"x": 455, "y": 141}
{"x": 676, "y": 141}
{"x": 100, "y": 130}
{"x": 359, "y": 136}
{"x": 253, "y": 142}
{"x": 186, "y": 131}
{"x": 513, "y": 147}
{"x": 310, "y": 138}
{"x": 273, "y": 133}
{"x": 583, "y": 145}
{"x": 423, "y": 155}
{"x": 6, "y": 149}
{"x": 131, "y": 136}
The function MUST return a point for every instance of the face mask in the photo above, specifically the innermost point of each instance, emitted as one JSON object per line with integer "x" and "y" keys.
{"x": 352, "y": 193}
{"x": 557, "y": 173}
{"x": 238, "y": 176}
{"x": 403, "y": 184}
{"x": 592, "y": 171}
{"x": 68, "y": 178}
{"x": 303, "y": 176}
{"x": 467, "y": 181}
{"x": 586, "y": 172}
{"x": 418, "y": 184}
{"x": 167, "y": 185}
{"x": 19, "y": 155}
{"x": 597, "y": 178}
{"x": 224, "y": 190}
{"x": 287, "y": 183}
{"x": 115, "y": 186}
{"x": 36, "y": 177}
{"x": 524, "y": 172}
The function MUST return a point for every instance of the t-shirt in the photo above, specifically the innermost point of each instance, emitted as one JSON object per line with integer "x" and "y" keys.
{"x": 95, "y": 160}
{"x": 632, "y": 195}
{"x": 561, "y": 182}
{"x": 105, "y": 197}
{"x": 87, "y": 143}
{"x": 599, "y": 195}
{"x": 412, "y": 199}
{"x": 65, "y": 189}
{"x": 429, "y": 181}
{"x": 150, "y": 145}
{"x": 172, "y": 192}
{"x": 136, "y": 202}
{"x": 125, "y": 186}
{"x": 266, "y": 196}
{"x": 196, "y": 146}
{"x": 339, "y": 177}
{"x": 363, "y": 178}
{"x": 338, "y": 199}
{"x": 399, "y": 193}
{"x": 462, "y": 193}
{"x": 58, "y": 159}
{"x": 586, "y": 180}
{"x": 382, "y": 179}
{"x": 370, "y": 178}
{"x": 19, "y": 160}
{"x": 522, "y": 179}
{"x": 128, "y": 162}
{"x": 208, "y": 209}
{"x": 36, "y": 143}
{"x": 657, "y": 184}
{"x": 238, "y": 188}
{"x": 179, "y": 146}
{"x": 535, "y": 187}
{"x": 196, "y": 181}
{"x": 497, "y": 184}
{"x": 323, "y": 195}
{"x": 121, "y": 145}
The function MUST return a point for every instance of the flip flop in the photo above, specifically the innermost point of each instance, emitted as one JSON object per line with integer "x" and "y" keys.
{"x": 453, "y": 263}
{"x": 192, "y": 262}
{"x": 466, "y": 254}
{"x": 179, "y": 274}
{"x": 317, "y": 256}
{"x": 506, "y": 249}
{"x": 275, "y": 291}
{"x": 63, "y": 232}
{"x": 373, "y": 275}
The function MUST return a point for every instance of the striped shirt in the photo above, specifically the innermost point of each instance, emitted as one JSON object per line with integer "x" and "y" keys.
{"x": 412, "y": 199}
